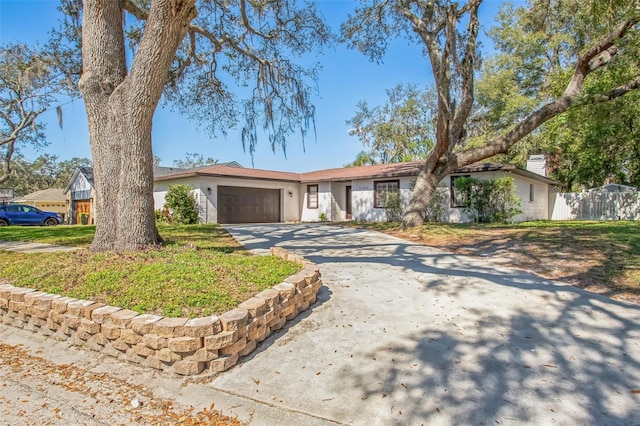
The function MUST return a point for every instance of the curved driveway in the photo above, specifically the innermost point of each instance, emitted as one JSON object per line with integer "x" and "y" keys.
{"x": 406, "y": 334}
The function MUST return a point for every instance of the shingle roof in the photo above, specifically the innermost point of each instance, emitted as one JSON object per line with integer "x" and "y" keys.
{"x": 363, "y": 172}
{"x": 378, "y": 171}
{"x": 88, "y": 173}
{"x": 492, "y": 167}
{"x": 233, "y": 171}
{"x": 161, "y": 170}
{"x": 51, "y": 194}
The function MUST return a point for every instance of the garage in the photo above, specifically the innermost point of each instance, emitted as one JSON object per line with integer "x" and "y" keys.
{"x": 248, "y": 205}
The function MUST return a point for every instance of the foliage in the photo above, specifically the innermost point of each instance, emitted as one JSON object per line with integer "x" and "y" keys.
{"x": 252, "y": 45}
{"x": 489, "y": 200}
{"x": 30, "y": 80}
{"x": 192, "y": 160}
{"x": 163, "y": 215}
{"x": 438, "y": 206}
{"x": 549, "y": 59}
{"x": 201, "y": 271}
{"x": 201, "y": 57}
{"x": 43, "y": 173}
{"x": 393, "y": 206}
{"x": 588, "y": 146}
{"x": 182, "y": 205}
{"x": 362, "y": 159}
{"x": 400, "y": 130}
{"x": 323, "y": 217}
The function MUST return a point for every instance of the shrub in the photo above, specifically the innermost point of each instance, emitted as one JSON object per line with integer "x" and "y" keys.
{"x": 491, "y": 200}
{"x": 437, "y": 208}
{"x": 181, "y": 204}
{"x": 394, "y": 207}
{"x": 163, "y": 215}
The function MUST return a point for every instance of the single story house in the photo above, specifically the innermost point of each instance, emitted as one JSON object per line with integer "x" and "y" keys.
{"x": 50, "y": 200}
{"x": 241, "y": 195}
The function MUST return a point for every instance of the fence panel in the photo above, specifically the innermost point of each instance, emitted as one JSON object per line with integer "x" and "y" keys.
{"x": 594, "y": 205}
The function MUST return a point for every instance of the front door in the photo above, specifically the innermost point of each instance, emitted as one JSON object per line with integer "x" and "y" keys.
{"x": 348, "y": 202}
{"x": 83, "y": 212}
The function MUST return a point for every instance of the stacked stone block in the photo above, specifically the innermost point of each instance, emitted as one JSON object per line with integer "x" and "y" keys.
{"x": 180, "y": 345}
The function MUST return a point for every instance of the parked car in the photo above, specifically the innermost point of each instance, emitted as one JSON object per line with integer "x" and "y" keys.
{"x": 21, "y": 214}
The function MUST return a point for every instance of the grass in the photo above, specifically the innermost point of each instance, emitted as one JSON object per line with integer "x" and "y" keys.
{"x": 200, "y": 271}
{"x": 603, "y": 257}
{"x": 65, "y": 235}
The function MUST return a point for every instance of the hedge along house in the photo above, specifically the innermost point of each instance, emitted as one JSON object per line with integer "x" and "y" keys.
{"x": 227, "y": 194}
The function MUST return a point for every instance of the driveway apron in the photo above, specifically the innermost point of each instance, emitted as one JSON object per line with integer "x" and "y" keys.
{"x": 406, "y": 334}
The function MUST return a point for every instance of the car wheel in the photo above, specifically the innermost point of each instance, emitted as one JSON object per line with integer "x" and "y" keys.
{"x": 3, "y": 222}
{"x": 50, "y": 222}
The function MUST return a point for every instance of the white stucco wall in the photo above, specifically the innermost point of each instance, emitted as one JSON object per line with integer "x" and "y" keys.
{"x": 160, "y": 189}
{"x": 535, "y": 210}
{"x": 324, "y": 202}
{"x": 206, "y": 193}
{"x": 332, "y": 197}
{"x": 362, "y": 198}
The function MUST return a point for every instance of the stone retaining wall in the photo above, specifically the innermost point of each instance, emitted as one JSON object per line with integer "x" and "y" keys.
{"x": 179, "y": 345}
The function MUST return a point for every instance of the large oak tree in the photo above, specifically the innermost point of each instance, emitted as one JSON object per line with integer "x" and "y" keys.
{"x": 190, "y": 50}
{"x": 448, "y": 31}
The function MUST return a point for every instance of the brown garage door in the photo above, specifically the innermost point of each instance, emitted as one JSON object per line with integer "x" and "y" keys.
{"x": 248, "y": 205}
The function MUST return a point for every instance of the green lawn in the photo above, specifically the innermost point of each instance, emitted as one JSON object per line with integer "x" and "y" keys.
{"x": 201, "y": 270}
{"x": 600, "y": 256}
{"x": 65, "y": 235}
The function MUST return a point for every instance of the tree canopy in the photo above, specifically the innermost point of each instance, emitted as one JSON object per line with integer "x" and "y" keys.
{"x": 46, "y": 171}
{"x": 192, "y": 159}
{"x": 219, "y": 62}
{"x": 589, "y": 146}
{"x": 402, "y": 129}
{"x": 30, "y": 83}
{"x": 547, "y": 73}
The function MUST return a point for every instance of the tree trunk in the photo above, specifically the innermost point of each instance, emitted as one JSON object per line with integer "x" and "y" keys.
{"x": 426, "y": 183}
{"x": 120, "y": 109}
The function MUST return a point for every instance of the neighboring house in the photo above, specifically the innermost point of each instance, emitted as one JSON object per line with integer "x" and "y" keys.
{"x": 51, "y": 200}
{"x": 238, "y": 195}
{"x": 81, "y": 194}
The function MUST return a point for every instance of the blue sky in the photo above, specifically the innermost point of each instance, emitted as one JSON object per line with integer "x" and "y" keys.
{"x": 346, "y": 78}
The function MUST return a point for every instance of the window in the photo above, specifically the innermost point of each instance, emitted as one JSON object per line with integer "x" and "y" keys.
{"x": 382, "y": 191}
{"x": 457, "y": 198}
{"x": 312, "y": 196}
{"x": 532, "y": 192}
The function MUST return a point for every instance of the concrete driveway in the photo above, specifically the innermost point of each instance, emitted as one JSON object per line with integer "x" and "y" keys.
{"x": 405, "y": 334}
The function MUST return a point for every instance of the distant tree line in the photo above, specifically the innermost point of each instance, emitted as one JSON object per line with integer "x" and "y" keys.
{"x": 42, "y": 173}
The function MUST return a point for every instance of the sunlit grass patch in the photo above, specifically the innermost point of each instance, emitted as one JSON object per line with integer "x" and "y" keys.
{"x": 201, "y": 270}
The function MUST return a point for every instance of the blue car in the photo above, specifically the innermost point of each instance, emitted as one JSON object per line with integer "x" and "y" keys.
{"x": 21, "y": 214}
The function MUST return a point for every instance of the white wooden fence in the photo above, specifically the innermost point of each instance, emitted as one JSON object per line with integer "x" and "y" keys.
{"x": 594, "y": 205}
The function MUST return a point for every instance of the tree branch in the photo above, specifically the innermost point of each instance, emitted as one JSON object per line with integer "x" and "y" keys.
{"x": 7, "y": 172}
{"x": 588, "y": 61}
{"x": 247, "y": 24}
{"x": 27, "y": 120}
{"x": 467, "y": 68}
